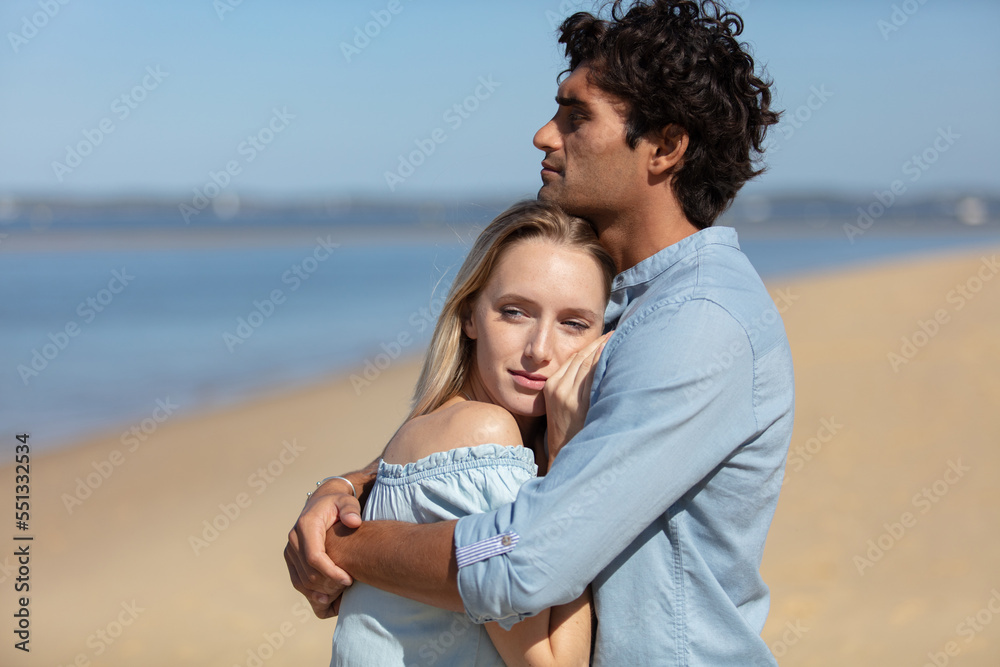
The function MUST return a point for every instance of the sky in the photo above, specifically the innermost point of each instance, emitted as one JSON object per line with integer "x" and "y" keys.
{"x": 412, "y": 99}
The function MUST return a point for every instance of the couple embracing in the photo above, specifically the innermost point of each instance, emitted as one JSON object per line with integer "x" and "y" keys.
{"x": 599, "y": 431}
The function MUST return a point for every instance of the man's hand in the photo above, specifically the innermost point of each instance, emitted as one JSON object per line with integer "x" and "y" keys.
{"x": 312, "y": 571}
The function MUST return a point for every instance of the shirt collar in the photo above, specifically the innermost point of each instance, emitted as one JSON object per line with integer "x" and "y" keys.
{"x": 630, "y": 283}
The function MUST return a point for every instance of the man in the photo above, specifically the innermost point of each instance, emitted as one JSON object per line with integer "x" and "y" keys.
{"x": 664, "y": 498}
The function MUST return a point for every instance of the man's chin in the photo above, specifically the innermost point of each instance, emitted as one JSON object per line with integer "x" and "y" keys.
{"x": 553, "y": 195}
{"x": 546, "y": 193}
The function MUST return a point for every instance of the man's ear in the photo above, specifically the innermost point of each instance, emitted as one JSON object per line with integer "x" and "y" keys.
{"x": 670, "y": 144}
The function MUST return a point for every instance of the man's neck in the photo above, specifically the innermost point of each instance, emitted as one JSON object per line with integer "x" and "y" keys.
{"x": 637, "y": 234}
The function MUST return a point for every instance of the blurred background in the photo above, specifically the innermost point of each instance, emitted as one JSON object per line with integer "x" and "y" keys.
{"x": 204, "y": 203}
{"x": 203, "y": 147}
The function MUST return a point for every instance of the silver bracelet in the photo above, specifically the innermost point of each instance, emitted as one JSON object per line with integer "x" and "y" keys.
{"x": 354, "y": 492}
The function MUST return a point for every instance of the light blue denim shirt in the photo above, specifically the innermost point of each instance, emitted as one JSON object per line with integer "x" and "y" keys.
{"x": 380, "y": 629}
{"x": 665, "y": 497}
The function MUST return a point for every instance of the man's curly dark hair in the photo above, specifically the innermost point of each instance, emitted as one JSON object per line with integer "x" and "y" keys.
{"x": 678, "y": 61}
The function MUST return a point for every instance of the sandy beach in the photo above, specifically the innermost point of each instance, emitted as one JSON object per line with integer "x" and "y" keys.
{"x": 164, "y": 547}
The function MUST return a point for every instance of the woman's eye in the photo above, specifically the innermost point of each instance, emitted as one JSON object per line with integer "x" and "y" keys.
{"x": 582, "y": 326}
{"x": 511, "y": 313}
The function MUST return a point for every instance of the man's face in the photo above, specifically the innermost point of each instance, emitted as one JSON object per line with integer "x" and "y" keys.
{"x": 589, "y": 168}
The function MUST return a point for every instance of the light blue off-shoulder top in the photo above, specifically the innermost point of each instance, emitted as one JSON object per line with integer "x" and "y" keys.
{"x": 378, "y": 628}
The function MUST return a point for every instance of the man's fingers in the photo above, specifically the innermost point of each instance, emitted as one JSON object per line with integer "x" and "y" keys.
{"x": 322, "y": 606}
{"x": 293, "y": 572}
{"x": 296, "y": 567}
{"x": 324, "y": 611}
{"x": 320, "y": 603}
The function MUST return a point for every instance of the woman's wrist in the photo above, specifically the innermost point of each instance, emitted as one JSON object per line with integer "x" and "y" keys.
{"x": 327, "y": 480}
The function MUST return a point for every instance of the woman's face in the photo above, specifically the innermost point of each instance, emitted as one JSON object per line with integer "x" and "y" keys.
{"x": 543, "y": 303}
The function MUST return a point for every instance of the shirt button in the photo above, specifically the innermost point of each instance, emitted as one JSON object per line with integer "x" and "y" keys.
{"x": 505, "y": 540}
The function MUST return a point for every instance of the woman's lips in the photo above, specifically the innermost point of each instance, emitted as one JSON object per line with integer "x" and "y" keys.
{"x": 529, "y": 380}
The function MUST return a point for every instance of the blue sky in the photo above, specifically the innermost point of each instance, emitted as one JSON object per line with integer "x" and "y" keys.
{"x": 331, "y": 122}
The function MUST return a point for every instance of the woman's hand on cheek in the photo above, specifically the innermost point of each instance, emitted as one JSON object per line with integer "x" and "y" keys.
{"x": 567, "y": 396}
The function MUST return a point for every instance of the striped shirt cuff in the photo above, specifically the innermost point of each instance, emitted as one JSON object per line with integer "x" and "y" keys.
{"x": 488, "y": 548}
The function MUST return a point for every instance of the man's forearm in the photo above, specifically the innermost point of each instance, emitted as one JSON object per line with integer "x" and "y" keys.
{"x": 416, "y": 561}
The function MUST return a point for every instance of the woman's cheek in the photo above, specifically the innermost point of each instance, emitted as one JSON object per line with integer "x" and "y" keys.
{"x": 567, "y": 349}
{"x": 573, "y": 343}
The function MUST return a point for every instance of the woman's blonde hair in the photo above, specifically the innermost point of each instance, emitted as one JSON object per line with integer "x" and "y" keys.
{"x": 450, "y": 356}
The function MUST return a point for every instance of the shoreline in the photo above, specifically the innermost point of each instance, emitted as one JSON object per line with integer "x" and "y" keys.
{"x": 224, "y": 397}
{"x": 155, "y": 238}
{"x": 238, "y": 399}
{"x": 161, "y": 237}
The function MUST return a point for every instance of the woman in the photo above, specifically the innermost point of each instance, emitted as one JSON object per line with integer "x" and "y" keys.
{"x": 519, "y": 333}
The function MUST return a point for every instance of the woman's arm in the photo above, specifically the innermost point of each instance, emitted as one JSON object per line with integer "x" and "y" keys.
{"x": 558, "y": 636}
{"x": 311, "y": 570}
{"x": 567, "y": 398}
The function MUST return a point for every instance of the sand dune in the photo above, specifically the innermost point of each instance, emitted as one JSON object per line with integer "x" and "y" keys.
{"x": 884, "y": 550}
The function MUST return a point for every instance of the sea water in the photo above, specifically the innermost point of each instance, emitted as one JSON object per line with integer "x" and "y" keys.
{"x": 95, "y": 340}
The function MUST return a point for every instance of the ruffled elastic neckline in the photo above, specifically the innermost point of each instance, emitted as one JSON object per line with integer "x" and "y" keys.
{"x": 458, "y": 456}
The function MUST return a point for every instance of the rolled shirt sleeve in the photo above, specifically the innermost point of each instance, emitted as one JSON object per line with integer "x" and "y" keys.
{"x": 673, "y": 399}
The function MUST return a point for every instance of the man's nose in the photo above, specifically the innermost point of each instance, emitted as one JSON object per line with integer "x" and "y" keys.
{"x": 547, "y": 137}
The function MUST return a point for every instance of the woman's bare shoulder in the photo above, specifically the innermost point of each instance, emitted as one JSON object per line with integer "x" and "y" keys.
{"x": 473, "y": 423}
{"x": 463, "y": 424}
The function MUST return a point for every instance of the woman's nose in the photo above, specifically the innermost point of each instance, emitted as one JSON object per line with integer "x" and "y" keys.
{"x": 539, "y": 344}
